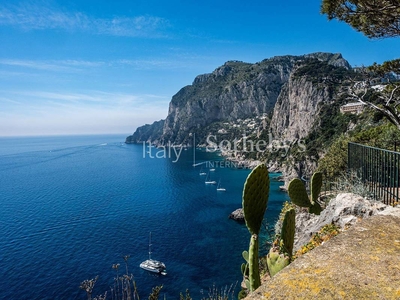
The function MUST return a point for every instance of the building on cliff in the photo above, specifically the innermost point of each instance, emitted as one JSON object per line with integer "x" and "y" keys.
{"x": 354, "y": 108}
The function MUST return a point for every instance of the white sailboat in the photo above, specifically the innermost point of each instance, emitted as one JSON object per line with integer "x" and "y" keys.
{"x": 202, "y": 173}
{"x": 208, "y": 180}
{"x": 219, "y": 188}
{"x": 152, "y": 265}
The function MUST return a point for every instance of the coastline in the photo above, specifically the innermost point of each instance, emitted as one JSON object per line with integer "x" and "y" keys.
{"x": 120, "y": 206}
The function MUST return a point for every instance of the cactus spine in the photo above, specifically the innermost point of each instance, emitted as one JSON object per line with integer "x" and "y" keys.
{"x": 255, "y": 199}
{"x": 298, "y": 194}
{"x": 280, "y": 254}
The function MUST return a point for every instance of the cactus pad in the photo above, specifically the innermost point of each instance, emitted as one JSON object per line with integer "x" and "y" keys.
{"x": 276, "y": 261}
{"x": 245, "y": 255}
{"x": 316, "y": 184}
{"x": 288, "y": 231}
{"x": 244, "y": 269}
{"x": 297, "y": 192}
{"x": 247, "y": 283}
{"x": 255, "y": 198}
{"x": 315, "y": 209}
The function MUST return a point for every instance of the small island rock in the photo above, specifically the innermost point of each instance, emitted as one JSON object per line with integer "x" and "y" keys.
{"x": 237, "y": 215}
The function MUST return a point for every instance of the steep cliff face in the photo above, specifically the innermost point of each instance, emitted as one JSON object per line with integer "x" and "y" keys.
{"x": 239, "y": 90}
{"x": 301, "y": 111}
{"x": 297, "y": 106}
{"x": 233, "y": 91}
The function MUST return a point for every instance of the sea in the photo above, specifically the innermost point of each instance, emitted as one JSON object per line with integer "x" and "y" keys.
{"x": 72, "y": 206}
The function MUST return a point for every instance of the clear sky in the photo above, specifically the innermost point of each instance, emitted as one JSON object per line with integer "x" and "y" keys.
{"x": 101, "y": 66}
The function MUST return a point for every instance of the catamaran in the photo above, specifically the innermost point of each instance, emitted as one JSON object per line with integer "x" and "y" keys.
{"x": 152, "y": 265}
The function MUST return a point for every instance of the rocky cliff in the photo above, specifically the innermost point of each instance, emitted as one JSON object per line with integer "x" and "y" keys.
{"x": 296, "y": 108}
{"x": 147, "y": 133}
{"x": 308, "y": 104}
{"x": 233, "y": 91}
{"x": 286, "y": 87}
{"x": 282, "y": 101}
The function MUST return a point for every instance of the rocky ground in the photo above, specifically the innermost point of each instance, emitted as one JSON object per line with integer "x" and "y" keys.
{"x": 362, "y": 262}
{"x": 343, "y": 211}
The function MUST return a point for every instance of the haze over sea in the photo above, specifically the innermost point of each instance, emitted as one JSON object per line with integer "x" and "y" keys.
{"x": 71, "y": 206}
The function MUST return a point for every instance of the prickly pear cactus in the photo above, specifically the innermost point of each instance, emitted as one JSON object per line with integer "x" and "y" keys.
{"x": 315, "y": 209}
{"x": 247, "y": 283}
{"x": 245, "y": 255}
{"x": 255, "y": 199}
{"x": 245, "y": 266}
{"x": 288, "y": 230}
{"x": 276, "y": 261}
{"x": 298, "y": 194}
{"x": 316, "y": 185}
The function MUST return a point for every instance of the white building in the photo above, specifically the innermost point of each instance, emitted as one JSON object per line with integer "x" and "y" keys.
{"x": 354, "y": 108}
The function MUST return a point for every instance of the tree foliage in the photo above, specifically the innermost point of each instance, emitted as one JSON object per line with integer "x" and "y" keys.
{"x": 376, "y": 19}
{"x": 390, "y": 66}
{"x": 321, "y": 71}
{"x": 388, "y": 98}
{"x": 334, "y": 163}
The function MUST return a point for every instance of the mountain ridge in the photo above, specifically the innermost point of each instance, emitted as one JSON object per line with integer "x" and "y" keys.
{"x": 236, "y": 90}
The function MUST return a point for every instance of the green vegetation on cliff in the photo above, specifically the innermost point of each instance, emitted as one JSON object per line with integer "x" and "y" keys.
{"x": 238, "y": 91}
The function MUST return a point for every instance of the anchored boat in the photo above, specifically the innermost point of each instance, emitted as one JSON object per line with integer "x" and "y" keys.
{"x": 219, "y": 188}
{"x": 153, "y": 265}
{"x": 208, "y": 180}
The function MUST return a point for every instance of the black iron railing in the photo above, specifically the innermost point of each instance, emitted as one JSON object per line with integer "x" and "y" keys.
{"x": 379, "y": 169}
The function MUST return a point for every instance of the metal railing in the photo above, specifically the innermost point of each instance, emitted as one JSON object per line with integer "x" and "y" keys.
{"x": 379, "y": 169}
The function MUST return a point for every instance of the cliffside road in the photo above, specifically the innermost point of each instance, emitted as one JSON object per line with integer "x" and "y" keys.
{"x": 360, "y": 263}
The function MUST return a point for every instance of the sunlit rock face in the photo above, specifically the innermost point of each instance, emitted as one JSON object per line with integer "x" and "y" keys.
{"x": 239, "y": 90}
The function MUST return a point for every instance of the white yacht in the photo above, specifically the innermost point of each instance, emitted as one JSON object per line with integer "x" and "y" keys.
{"x": 152, "y": 265}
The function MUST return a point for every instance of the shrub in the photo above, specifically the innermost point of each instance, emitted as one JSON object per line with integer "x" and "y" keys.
{"x": 350, "y": 182}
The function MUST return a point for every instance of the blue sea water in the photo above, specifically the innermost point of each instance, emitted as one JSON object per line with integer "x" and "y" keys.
{"x": 71, "y": 206}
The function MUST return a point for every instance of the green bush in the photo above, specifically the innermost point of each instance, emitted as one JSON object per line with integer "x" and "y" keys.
{"x": 334, "y": 162}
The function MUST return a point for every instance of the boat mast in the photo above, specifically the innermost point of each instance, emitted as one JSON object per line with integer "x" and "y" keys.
{"x": 150, "y": 246}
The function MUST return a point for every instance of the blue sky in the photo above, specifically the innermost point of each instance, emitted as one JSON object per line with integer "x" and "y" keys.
{"x": 97, "y": 66}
